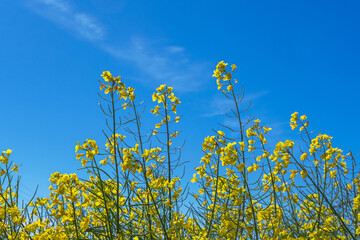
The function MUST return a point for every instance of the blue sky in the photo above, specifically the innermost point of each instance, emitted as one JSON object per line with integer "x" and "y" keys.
{"x": 291, "y": 55}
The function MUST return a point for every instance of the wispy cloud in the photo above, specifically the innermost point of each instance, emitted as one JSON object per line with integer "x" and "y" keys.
{"x": 66, "y": 16}
{"x": 159, "y": 63}
{"x": 175, "y": 49}
{"x": 162, "y": 64}
{"x": 222, "y": 105}
{"x": 218, "y": 106}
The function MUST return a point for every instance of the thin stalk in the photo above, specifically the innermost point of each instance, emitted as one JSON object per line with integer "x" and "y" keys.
{"x": 328, "y": 202}
{"x": 216, "y": 195}
{"x": 117, "y": 218}
{"x": 168, "y": 156}
{"x": 244, "y": 173}
{"x": 138, "y": 123}
{"x": 75, "y": 222}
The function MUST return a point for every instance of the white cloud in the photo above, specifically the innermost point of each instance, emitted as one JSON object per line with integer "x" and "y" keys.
{"x": 175, "y": 49}
{"x": 65, "y": 15}
{"x": 162, "y": 64}
{"x": 218, "y": 106}
{"x": 159, "y": 63}
{"x": 222, "y": 105}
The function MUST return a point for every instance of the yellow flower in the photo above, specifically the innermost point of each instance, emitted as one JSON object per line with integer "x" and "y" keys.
{"x": 227, "y": 77}
{"x": 155, "y": 97}
{"x": 173, "y": 108}
{"x": 107, "y": 76}
{"x": 104, "y": 161}
{"x": 294, "y": 116}
{"x": 161, "y": 88}
{"x": 174, "y": 134}
{"x": 293, "y": 174}
{"x": 304, "y": 173}
{"x": 233, "y": 67}
{"x": 242, "y": 146}
{"x": 293, "y": 126}
{"x": 7, "y": 152}
{"x": 221, "y": 66}
{"x": 333, "y": 174}
{"x": 84, "y": 162}
{"x": 240, "y": 167}
{"x": 15, "y": 168}
{"x": 229, "y": 172}
{"x": 266, "y": 129}
{"x": 251, "y": 148}
{"x": 194, "y": 179}
{"x": 220, "y": 133}
{"x": 256, "y": 167}
{"x": 303, "y": 156}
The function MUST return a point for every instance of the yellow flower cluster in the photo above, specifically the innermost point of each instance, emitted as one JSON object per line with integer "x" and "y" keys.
{"x": 165, "y": 96}
{"x": 222, "y": 75}
{"x": 115, "y": 85}
{"x": 246, "y": 188}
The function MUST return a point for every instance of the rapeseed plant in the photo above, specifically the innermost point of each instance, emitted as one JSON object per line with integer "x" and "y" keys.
{"x": 247, "y": 189}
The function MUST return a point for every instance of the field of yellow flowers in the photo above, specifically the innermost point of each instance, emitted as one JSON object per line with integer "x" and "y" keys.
{"x": 247, "y": 189}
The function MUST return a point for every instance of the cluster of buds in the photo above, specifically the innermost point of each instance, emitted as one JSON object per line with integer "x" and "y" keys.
{"x": 222, "y": 75}
{"x": 163, "y": 94}
{"x": 114, "y": 84}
